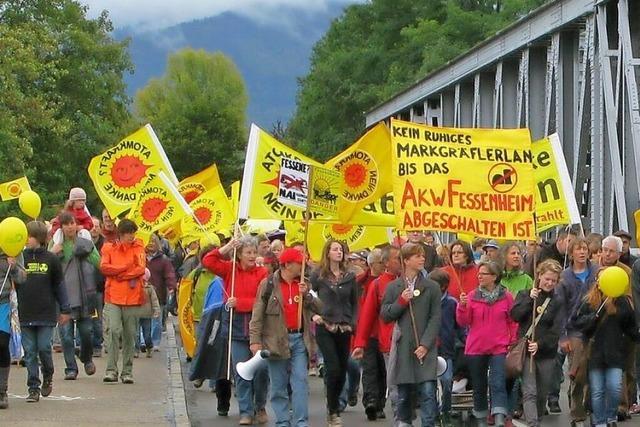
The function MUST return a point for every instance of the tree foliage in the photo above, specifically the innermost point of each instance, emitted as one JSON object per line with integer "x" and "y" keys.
{"x": 378, "y": 48}
{"x": 198, "y": 108}
{"x": 62, "y": 94}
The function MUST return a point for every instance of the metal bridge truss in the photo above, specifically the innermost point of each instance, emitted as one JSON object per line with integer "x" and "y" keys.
{"x": 571, "y": 67}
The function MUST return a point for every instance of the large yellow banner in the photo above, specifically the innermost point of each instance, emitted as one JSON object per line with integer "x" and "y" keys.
{"x": 476, "y": 181}
{"x": 120, "y": 173}
{"x": 555, "y": 200}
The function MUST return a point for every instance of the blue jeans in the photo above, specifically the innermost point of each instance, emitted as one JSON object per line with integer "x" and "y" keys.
{"x": 492, "y": 366}
{"x": 446, "y": 381}
{"x": 36, "y": 342}
{"x": 425, "y": 398}
{"x": 606, "y": 390}
{"x": 251, "y": 395}
{"x": 157, "y": 325}
{"x": 67, "y": 336}
{"x": 145, "y": 327}
{"x": 292, "y": 372}
{"x": 352, "y": 384}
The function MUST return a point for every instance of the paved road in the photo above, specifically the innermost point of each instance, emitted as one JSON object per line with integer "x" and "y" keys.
{"x": 88, "y": 401}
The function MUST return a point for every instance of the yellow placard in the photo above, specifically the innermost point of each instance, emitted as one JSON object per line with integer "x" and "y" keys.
{"x": 476, "y": 181}
{"x": 12, "y": 189}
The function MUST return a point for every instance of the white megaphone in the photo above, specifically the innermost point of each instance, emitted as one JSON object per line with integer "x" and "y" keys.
{"x": 442, "y": 366}
{"x": 247, "y": 369}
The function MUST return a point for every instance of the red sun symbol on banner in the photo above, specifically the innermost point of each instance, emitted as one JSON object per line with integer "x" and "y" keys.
{"x": 203, "y": 214}
{"x": 190, "y": 196}
{"x": 152, "y": 208}
{"x": 355, "y": 175}
{"x": 14, "y": 189}
{"x": 341, "y": 229}
{"x": 128, "y": 171}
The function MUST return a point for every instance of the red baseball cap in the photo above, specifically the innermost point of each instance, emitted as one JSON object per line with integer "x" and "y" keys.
{"x": 291, "y": 255}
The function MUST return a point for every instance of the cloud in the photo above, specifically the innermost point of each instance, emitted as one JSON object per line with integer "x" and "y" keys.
{"x": 148, "y": 15}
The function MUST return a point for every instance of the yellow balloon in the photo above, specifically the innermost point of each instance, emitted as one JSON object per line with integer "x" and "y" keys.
{"x": 13, "y": 236}
{"x": 30, "y": 203}
{"x": 613, "y": 282}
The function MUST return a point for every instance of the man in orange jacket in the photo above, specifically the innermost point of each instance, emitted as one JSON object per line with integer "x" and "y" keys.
{"x": 122, "y": 263}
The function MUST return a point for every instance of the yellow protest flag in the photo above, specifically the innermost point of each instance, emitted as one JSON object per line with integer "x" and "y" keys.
{"x": 159, "y": 205}
{"x": 357, "y": 237}
{"x": 193, "y": 186}
{"x": 260, "y": 180}
{"x": 235, "y": 198}
{"x": 366, "y": 171}
{"x": 12, "y": 189}
{"x": 476, "y": 181}
{"x": 120, "y": 173}
{"x": 555, "y": 201}
{"x": 213, "y": 211}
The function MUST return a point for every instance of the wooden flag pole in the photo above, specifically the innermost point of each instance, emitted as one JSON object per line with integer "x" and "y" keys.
{"x": 411, "y": 315}
{"x": 307, "y": 217}
{"x": 232, "y": 293}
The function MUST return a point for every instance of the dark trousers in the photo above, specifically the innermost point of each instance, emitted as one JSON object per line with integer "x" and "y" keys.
{"x": 97, "y": 322}
{"x": 374, "y": 384}
{"x": 83, "y": 328}
{"x": 5, "y": 354}
{"x": 335, "y": 349}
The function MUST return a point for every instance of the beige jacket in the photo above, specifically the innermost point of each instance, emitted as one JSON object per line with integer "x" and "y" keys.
{"x": 267, "y": 326}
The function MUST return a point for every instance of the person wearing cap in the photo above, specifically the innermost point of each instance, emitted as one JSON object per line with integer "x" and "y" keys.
{"x": 626, "y": 258}
{"x": 491, "y": 249}
{"x": 280, "y": 325}
{"x": 77, "y": 206}
{"x": 358, "y": 261}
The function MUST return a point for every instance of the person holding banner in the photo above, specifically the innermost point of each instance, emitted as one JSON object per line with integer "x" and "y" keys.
{"x": 462, "y": 269}
{"x": 252, "y": 395}
{"x": 280, "y": 325}
{"x": 337, "y": 289}
{"x": 485, "y": 311}
{"x": 604, "y": 320}
{"x": 413, "y": 302}
{"x": 537, "y": 378}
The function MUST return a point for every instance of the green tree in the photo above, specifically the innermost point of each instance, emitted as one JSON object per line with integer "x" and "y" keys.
{"x": 198, "y": 108}
{"x": 376, "y": 49}
{"x": 62, "y": 94}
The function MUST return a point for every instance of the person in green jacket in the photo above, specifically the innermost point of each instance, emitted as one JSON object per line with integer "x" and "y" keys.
{"x": 513, "y": 277}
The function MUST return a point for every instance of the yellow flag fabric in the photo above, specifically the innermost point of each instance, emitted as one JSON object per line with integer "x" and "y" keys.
{"x": 259, "y": 192}
{"x": 477, "y": 181}
{"x": 235, "y": 198}
{"x": 555, "y": 201}
{"x": 213, "y": 211}
{"x": 185, "y": 316}
{"x": 357, "y": 237}
{"x": 120, "y": 173}
{"x": 192, "y": 187}
{"x": 159, "y": 205}
{"x": 366, "y": 171}
{"x": 324, "y": 191}
{"x": 12, "y": 189}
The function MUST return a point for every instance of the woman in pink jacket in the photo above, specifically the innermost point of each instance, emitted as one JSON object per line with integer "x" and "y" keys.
{"x": 486, "y": 312}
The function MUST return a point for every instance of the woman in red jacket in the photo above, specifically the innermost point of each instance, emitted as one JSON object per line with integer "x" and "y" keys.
{"x": 463, "y": 271}
{"x": 252, "y": 395}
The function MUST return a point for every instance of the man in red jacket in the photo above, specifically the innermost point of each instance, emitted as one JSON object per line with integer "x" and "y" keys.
{"x": 373, "y": 338}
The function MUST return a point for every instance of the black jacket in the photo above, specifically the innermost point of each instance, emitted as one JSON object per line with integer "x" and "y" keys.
{"x": 547, "y": 331}
{"x": 339, "y": 301}
{"x": 43, "y": 291}
{"x": 608, "y": 333}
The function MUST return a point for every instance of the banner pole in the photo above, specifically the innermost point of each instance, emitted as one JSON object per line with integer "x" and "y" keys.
{"x": 411, "y": 315}
{"x": 232, "y": 293}
{"x": 307, "y": 217}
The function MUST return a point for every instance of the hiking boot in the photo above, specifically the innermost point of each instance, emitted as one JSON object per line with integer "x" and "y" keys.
{"x": 149, "y": 354}
{"x": 262, "y": 417}
{"x": 47, "y": 387}
{"x": 70, "y": 376}
{"x": 554, "y": 407}
{"x": 110, "y": 377}
{"x": 334, "y": 420}
{"x": 198, "y": 383}
{"x": 372, "y": 412}
{"x": 126, "y": 379}
{"x": 34, "y": 396}
{"x": 381, "y": 415}
{"x": 89, "y": 368}
{"x": 4, "y": 401}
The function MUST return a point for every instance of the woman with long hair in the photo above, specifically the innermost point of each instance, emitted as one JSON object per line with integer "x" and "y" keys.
{"x": 513, "y": 277}
{"x": 485, "y": 311}
{"x": 337, "y": 290}
{"x": 543, "y": 344}
{"x": 251, "y": 395}
{"x": 605, "y": 322}
{"x": 462, "y": 269}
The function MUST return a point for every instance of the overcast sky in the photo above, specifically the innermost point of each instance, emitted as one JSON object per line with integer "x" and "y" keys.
{"x": 148, "y": 15}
